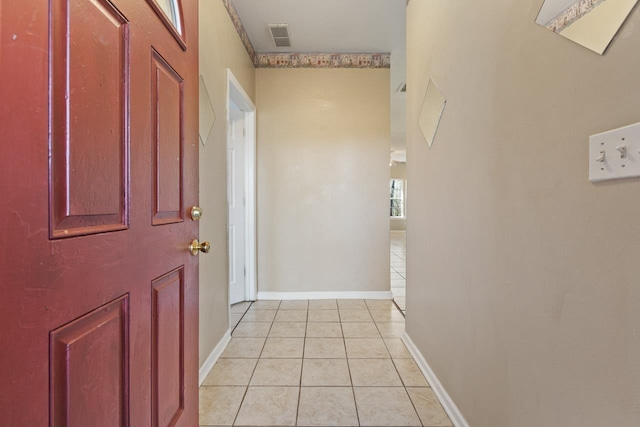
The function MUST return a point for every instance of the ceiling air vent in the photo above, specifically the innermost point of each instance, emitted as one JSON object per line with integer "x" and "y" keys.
{"x": 280, "y": 34}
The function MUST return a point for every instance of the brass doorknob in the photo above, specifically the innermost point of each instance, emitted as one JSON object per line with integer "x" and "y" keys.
{"x": 196, "y": 247}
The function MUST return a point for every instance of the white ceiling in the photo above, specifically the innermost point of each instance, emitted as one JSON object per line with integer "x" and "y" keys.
{"x": 324, "y": 26}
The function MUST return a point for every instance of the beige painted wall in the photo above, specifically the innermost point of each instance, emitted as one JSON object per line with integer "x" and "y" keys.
{"x": 220, "y": 48}
{"x": 323, "y": 171}
{"x": 399, "y": 171}
{"x": 523, "y": 278}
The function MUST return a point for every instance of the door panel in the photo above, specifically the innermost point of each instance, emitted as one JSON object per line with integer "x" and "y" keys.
{"x": 167, "y": 89}
{"x": 95, "y": 331}
{"x": 88, "y": 192}
{"x": 81, "y": 352}
{"x": 168, "y": 348}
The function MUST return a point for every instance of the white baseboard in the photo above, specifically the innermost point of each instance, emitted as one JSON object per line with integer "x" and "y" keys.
{"x": 207, "y": 366}
{"x": 324, "y": 295}
{"x": 447, "y": 403}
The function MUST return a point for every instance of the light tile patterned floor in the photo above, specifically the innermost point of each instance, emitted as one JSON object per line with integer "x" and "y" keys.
{"x": 398, "y": 260}
{"x": 318, "y": 363}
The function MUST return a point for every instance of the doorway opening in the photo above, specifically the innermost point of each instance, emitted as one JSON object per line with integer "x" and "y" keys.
{"x": 241, "y": 193}
{"x": 398, "y": 234}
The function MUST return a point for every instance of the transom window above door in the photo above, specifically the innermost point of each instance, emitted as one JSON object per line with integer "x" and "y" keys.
{"x": 170, "y": 12}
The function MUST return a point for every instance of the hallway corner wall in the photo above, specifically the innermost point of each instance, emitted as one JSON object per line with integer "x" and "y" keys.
{"x": 523, "y": 288}
{"x": 323, "y": 180}
{"x": 220, "y": 48}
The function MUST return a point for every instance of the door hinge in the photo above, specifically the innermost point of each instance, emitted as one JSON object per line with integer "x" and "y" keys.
{"x": 245, "y": 271}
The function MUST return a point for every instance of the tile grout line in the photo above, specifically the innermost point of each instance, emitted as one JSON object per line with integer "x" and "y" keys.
{"x": 304, "y": 343}
{"x": 243, "y": 314}
{"x": 404, "y": 386}
{"x": 346, "y": 355}
{"x": 254, "y": 369}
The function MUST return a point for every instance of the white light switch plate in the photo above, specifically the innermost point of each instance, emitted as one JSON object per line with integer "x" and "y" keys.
{"x": 614, "y": 164}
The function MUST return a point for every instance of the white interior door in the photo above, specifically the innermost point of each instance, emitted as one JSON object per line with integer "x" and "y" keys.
{"x": 236, "y": 194}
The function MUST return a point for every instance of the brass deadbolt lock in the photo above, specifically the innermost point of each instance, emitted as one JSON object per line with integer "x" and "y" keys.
{"x": 196, "y": 213}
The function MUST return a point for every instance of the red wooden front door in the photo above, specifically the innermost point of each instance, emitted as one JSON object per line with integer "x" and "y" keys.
{"x": 98, "y": 171}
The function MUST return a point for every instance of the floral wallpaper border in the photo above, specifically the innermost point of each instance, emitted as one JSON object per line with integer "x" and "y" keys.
{"x": 324, "y": 60}
{"x": 304, "y": 60}
{"x": 572, "y": 14}
{"x": 235, "y": 18}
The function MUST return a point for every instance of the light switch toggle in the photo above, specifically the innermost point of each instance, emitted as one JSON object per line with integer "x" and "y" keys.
{"x": 615, "y": 154}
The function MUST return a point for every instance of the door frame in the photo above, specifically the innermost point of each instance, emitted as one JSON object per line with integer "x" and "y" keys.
{"x": 237, "y": 94}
